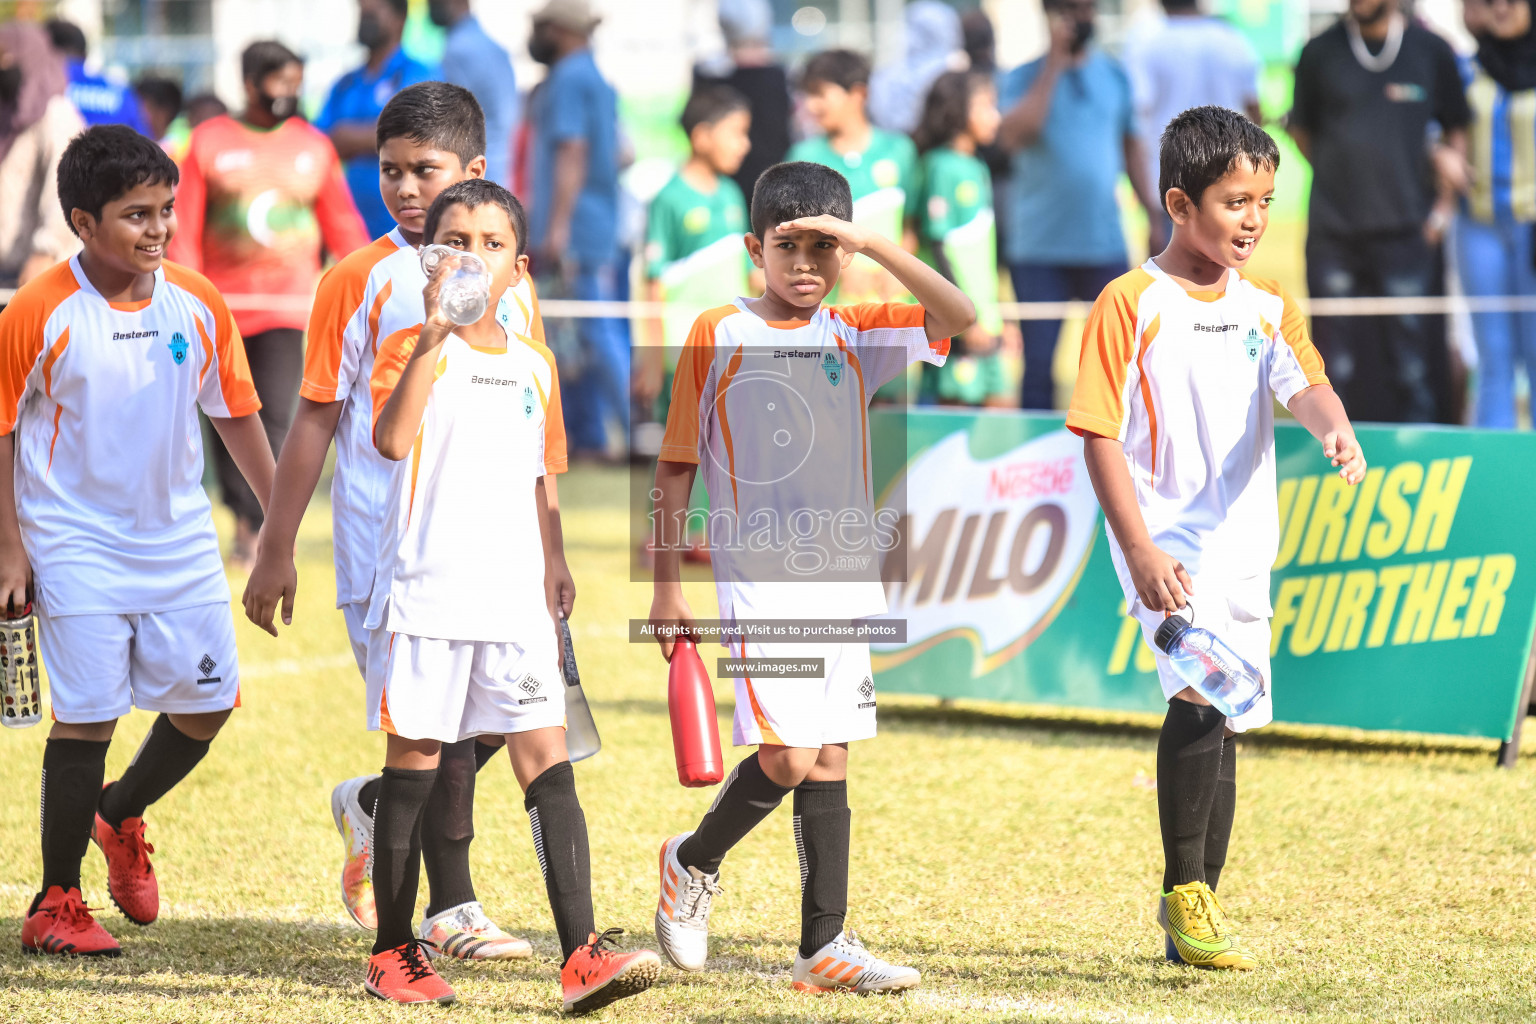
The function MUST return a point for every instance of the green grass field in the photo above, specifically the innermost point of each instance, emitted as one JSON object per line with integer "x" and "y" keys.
{"x": 1010, "y": 855}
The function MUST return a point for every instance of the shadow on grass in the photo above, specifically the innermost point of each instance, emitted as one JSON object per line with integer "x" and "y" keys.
{"x": 182, "y": 958}
{"x": 1063, "y": 728}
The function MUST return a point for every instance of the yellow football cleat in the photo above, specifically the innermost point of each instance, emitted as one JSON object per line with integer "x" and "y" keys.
{"x": 1198, "y": 931}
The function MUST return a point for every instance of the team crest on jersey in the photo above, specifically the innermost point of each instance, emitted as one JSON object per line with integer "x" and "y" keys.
{"x": 833, "y": 369}
{"x": 178, "y": 347}
{"x": 1252, "y": 345}
{"x": 528, "y": 403}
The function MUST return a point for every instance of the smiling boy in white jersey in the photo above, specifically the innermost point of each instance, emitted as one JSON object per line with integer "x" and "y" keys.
{"x": 762, "y": 386}
{"x": 104, "y": 362}
{"x": 1173, "y": 401}
{"x": 464, "y": 605}
{"x": 430, "y": 136}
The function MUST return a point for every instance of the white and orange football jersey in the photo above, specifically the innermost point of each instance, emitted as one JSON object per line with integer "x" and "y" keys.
{"x": 776, "y": 415}
{"x": 461, "y": 555}
{"x": 362, "y": 300}
{"x": 102, "y": 399}
{"x": 1186, "y": 381}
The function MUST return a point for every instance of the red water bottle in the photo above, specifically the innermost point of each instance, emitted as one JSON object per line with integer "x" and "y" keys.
{"x": 695, "y": 730}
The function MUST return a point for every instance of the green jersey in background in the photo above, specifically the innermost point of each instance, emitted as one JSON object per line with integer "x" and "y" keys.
{"x": 957, "y": 214}
{"x": 884, "y": 179}
{"x": 694, "y": 248}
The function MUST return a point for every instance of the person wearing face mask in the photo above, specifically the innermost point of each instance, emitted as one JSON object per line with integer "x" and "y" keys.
{"x": 1068, "y": 123}
{"x": 1496, "y": 233}
{"x": 259, "y": 196}
{"x": 475, "y": 61}
{"x": 351, "y": 111}
{"x": 36, "y": 123}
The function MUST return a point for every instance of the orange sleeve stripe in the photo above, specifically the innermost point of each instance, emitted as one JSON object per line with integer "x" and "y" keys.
{"x": 535, "y": 317}
{"x": 1109, "y": 347}
{"x": 1147, "y": 337}
{"x": 52, "y": 358}
{"x": 1293, "y": 330}
{"x": 337, "y": 300}
{"x": 555, "y": 453}
{"x": 23, "y": 327}
{"x": 725, "y": 426}
{"x": 394, "y": 352}
{"x": 869, "y": 316}
{"x": 680, "y": 443}
{"x": 235, "y": 382}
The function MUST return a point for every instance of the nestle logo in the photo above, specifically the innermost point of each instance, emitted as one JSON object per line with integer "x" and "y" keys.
{"x": 1216, "y": 328}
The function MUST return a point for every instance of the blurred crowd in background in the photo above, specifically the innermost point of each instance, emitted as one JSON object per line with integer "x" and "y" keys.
{"x": 1034, "y": 183}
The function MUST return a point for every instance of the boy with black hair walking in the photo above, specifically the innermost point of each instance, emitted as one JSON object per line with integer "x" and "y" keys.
{"x": 430, "y": 136}
{"x": 105, "y": 361}
{"x": 1183, "y": 359}
{"x": 464, "y": 607}
{"x": 758, "y": 380}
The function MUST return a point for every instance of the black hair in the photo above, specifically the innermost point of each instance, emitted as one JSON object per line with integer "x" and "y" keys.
{"x": 265, "y": 56}
{"x": 400, "y": 7}
{"x": 105, "y": 163}
{"x": 159, "y": 91}
{"x": 435, "y": 114}
{"x": 473, "y": 193}
{"x": 947, "y": 110}
{"x": 842, "y": 68}
{"x": 800, "y": 189}
{"x": 1202, "y": 144}
{"x": 66, "y": 37}
{"x": 710, "y": 104}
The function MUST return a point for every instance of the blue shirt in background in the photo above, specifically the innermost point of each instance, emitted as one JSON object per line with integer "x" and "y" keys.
{"x": 360, "y": 96}
{"x": 576, "y": 103}
{"x": 1063, "y": 208}
{"x": 477, "y": 62}
{"x": 102, "y": 102}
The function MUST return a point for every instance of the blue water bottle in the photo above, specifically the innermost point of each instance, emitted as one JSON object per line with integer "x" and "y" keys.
{"x": 1205, "y": 661}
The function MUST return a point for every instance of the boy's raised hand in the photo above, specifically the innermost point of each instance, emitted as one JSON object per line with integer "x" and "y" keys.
{"x": 850, "y": 237}
{"x": 1161, "y": 581}
{"x": 1343, "y": 450}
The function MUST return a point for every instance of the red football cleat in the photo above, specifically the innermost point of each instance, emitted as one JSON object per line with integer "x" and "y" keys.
{"x": 63, "y": 925}
{"x": 403, "y": 974}
{"x": 130, "y": 876}
{"x": 597, "y": 975}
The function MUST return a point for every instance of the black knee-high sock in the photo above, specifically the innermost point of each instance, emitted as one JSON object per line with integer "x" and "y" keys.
{"x": 822, "y": 823}
{"x": 449, "y": 827}
{"x": 1188, "y": 761}
{"x": 403, "y": 796}
{"x": 484, "y": 752}
{"x": 166, "y": 756}
{"x": 1219, "y": 832}
{"x": 72, "y": 774}
{"x": 368, "y": 796}
{"x": 747, "y": 797}
{"x": 560, "y": 840}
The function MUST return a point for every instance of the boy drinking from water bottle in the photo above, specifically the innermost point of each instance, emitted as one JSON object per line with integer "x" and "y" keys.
{"x": 463, "y": 616}
{"x": 1173, "y": 400}
{"x": 770, "y": 401}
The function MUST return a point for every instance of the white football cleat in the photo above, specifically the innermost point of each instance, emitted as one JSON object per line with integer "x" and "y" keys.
{"x": 844, "y": 965}
{"x": 682, "y": 909}
{"x": 355, "y": 823}
{"x": 465, "y": 932}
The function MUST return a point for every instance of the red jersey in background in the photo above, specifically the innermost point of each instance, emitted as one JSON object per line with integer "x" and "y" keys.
{"x": 254, "y": 207}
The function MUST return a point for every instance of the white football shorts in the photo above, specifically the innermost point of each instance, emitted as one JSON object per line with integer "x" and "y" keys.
{"x": 1245, "y": 628}
{"x": 100, "y": 667}
{"x": 837, "y": 707}
{"x": 450, "y": 690}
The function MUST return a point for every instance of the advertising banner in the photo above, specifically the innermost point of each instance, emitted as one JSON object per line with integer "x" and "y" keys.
{"x": 1407, "y": 602}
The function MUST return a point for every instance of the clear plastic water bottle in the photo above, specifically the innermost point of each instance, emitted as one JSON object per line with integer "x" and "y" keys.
{"x": 21, "y": 699}
{"x": 466, "y": 290}
{"x": 1205, "y": 661}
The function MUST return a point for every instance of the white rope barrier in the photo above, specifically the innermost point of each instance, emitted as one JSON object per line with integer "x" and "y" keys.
{"x": 1366, "y": 306}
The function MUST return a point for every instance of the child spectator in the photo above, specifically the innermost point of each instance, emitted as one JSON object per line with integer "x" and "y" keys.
{"x": 960, "y": 232}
